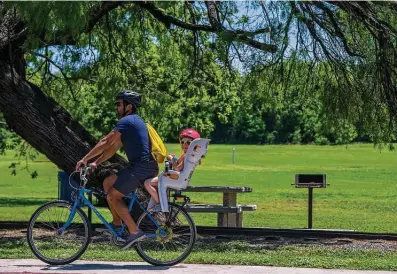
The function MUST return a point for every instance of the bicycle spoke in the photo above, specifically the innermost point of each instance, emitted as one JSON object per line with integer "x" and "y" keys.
{"x": 47, "y": 225}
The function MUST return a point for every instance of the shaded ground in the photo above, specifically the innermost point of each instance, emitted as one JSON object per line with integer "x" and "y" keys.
{"x": 267, "y": 242}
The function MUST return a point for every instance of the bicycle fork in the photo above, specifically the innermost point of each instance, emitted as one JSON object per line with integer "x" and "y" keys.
{"x": 69, "y": 220}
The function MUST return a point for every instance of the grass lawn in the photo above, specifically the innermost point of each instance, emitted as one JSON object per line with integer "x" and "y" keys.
{"x": 362, "y": 194}
{"x": 238, "y": 252}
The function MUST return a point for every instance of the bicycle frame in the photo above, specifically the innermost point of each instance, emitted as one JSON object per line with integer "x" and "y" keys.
{"x": 82, "y": 201}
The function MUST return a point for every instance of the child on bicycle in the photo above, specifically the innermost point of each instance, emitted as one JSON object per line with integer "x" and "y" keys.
{"x": 185, "y": 138}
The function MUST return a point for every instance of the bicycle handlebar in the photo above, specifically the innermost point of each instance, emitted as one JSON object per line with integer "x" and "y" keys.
{"x": 84, "y": 171}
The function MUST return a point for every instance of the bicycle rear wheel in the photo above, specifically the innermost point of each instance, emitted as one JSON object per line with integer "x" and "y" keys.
{"x": 47, "y": 240}
{"x": 175, "y": 244}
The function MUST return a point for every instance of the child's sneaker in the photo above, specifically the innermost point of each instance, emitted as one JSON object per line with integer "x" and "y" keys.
{"x": 155, "y": 208}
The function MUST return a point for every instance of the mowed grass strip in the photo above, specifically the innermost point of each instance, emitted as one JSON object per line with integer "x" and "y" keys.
{"x": 362, "y": 194}
{"x": 242, "y": 252}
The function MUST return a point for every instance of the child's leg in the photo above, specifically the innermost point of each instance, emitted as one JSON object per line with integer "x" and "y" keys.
{"x": 152, "y": 203}
{"x": 150, "y": 187}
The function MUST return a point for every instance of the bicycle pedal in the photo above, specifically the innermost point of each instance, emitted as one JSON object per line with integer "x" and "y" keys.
{"x": 119, "y": 239}
{"x": 106, "y": 233}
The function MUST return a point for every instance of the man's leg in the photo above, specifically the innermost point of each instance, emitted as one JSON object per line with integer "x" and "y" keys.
{"x": 127, "y": 182}
{"x": 116, "y": 200}
{"x": 107, "y": 186}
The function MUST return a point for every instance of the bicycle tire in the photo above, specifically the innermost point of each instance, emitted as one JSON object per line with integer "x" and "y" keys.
{"x": 42, "y": 228}
{"x": 180, "y": 227}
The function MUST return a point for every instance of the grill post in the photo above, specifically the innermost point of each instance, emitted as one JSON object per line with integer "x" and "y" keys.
{"x": 310, "y": 181}
{"x": 310, "y": 208}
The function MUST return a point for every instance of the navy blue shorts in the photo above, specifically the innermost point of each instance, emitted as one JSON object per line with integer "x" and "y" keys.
{"x": 130, "y": 178}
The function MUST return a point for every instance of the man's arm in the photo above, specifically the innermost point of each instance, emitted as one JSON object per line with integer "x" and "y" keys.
{"x": 103, "y": 145}
{"x": 108, "y": 153}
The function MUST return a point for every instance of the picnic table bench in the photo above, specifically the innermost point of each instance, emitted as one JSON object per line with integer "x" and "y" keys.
{"x": 230, "y": 214}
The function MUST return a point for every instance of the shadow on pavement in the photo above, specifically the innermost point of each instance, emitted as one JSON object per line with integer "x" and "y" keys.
{"x": 94, "y": 266}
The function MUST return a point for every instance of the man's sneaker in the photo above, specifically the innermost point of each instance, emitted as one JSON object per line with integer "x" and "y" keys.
{"x": 133, "y": 238}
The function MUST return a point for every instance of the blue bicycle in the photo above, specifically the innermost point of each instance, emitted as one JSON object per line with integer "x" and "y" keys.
{"x": 59, "y": 232}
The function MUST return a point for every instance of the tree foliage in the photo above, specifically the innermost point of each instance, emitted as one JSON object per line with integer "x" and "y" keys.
{"x": 257, "y": 71}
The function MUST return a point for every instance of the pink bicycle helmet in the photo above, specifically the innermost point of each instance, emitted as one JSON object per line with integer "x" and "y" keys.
{"x": 190, "y": 133}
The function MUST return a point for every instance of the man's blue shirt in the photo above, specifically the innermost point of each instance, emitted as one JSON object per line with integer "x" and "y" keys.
{"x": 135, "y": 139}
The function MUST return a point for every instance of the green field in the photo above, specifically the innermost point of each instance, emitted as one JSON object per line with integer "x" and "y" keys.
{"x": 362, "y": 194}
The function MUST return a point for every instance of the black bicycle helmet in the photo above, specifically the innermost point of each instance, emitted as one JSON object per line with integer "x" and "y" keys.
{"x": 131, "y": 97}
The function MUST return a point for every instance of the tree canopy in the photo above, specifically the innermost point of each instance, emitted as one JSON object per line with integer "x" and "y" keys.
{"x": 261, "y": 71}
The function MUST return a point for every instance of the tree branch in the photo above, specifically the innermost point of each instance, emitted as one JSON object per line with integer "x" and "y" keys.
{"x": 167, "y": 20}
{"x": 11, "y": 33}
{"x": 213, "y": 15}
{"x": 337, "y": 31}
{"x": 229, "y": 35}
{"x": 67, "y": 79}
{"x": 65, "y": 37}
{"x": 195, "y": 35}
{"x": 310, "y": 26}
{"x": 102, "y": 11}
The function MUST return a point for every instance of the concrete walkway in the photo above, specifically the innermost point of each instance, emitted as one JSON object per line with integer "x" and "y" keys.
{"x": 28, "y": 266}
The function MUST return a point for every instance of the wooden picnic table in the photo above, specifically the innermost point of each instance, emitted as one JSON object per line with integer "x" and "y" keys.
{"x": 230, "y": 214}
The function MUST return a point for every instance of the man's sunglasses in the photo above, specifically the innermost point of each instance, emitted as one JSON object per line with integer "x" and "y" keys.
{"x": 185, "y": 142}
{"x": 118, "y": 103}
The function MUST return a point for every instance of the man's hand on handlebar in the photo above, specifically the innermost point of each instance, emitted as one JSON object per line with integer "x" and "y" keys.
{"x": 93, "y": 166}
{"x": 80, "y": 163}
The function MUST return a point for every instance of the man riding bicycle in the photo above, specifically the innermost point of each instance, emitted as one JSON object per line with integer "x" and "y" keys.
{"x": 131, "y": 132}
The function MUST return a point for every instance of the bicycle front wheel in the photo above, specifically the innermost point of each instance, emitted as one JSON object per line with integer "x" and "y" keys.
{"x": 50, "y": 242}
{"x": 172, "y": 242}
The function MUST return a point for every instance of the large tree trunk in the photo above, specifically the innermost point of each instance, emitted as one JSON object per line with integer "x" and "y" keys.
{"x": 37, "y": 118}
{"x": 44, "y": 124}
{"x": 50, "y": 129}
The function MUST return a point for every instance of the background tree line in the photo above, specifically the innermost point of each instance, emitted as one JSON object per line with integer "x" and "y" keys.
{"x": 233, "y": 108}
{"x": 241, "y": 72}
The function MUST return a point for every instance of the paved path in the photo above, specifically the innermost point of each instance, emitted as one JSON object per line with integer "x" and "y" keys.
{"x": 28, "y": 266}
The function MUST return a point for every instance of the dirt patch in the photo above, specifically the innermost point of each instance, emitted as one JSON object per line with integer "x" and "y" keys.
{"x": 12, "y": 233}
{"x": 331, "y": 243}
